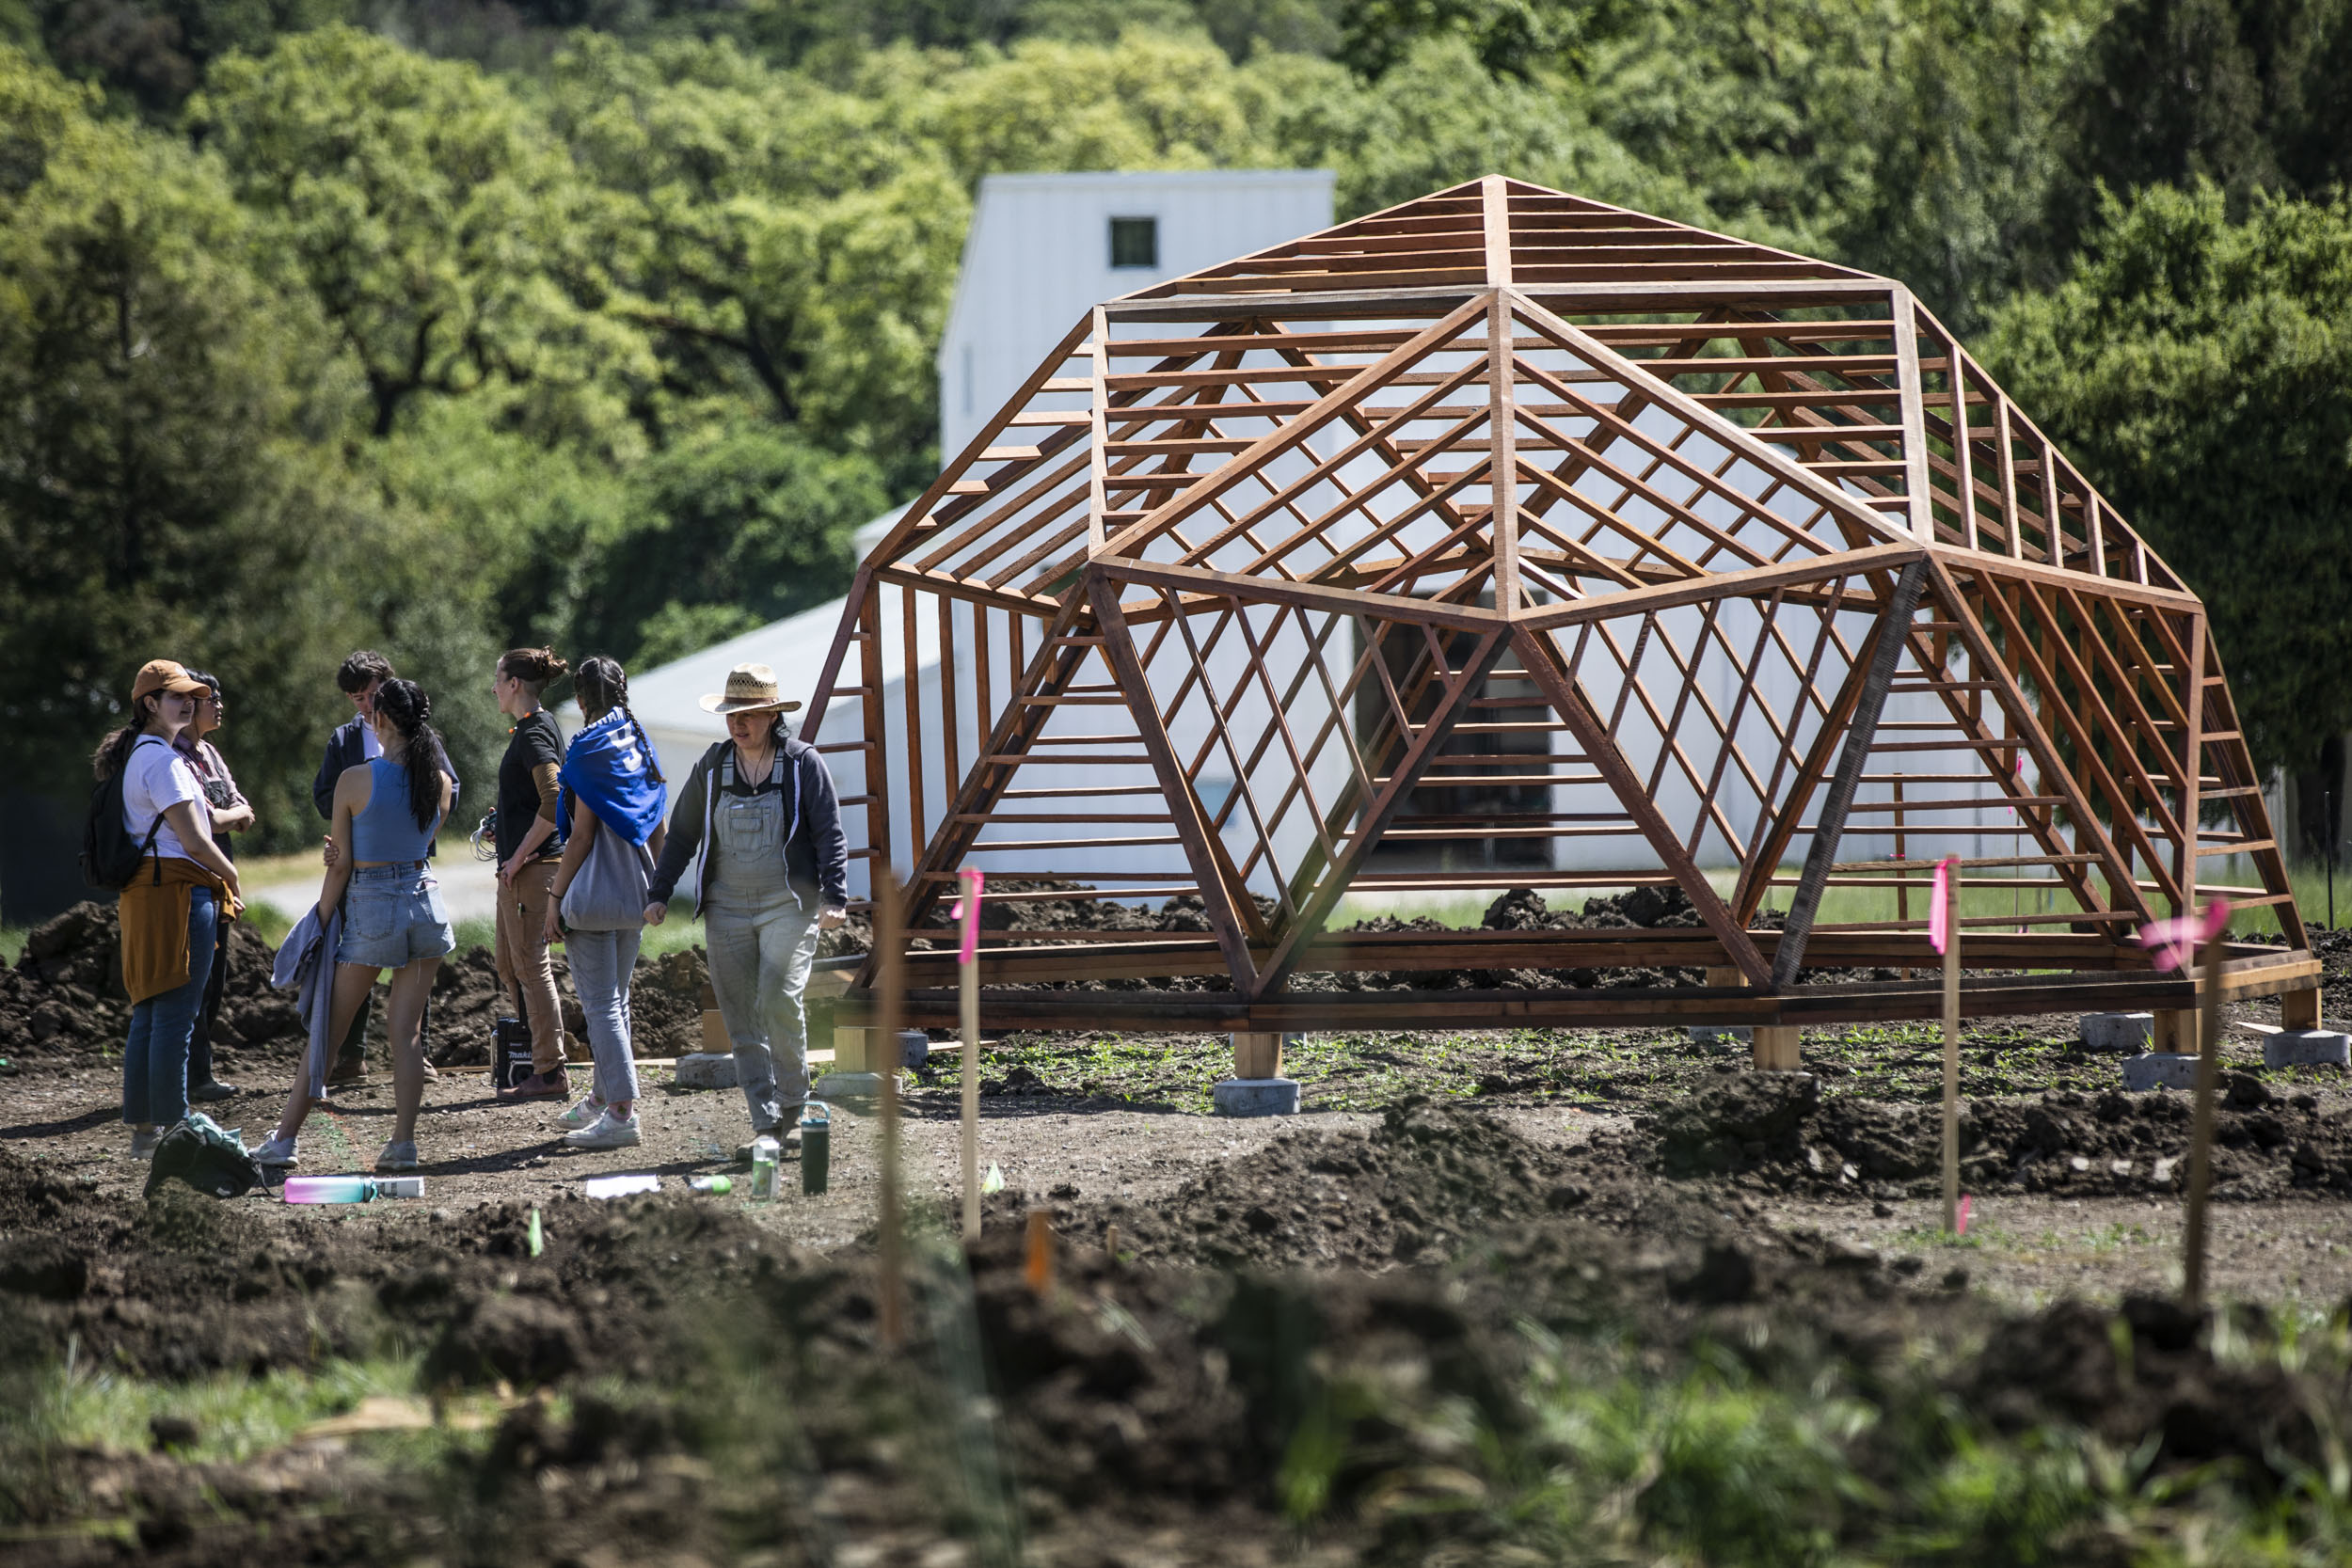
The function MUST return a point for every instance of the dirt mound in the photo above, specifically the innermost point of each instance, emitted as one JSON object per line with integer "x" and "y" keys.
{"x": 1435, "y": 1178}
{"x": 2146, "y": 1373}
{"x": 63, "y": 1005}
{"x": 1777, "y": 1129}
{"x": 665, "y": 1001}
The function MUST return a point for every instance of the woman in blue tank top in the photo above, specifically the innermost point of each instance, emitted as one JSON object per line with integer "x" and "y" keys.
{"x": 387, "y": 810}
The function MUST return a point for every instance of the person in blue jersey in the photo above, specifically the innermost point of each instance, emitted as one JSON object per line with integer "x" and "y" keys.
{"x": 386, "y": 812}
{"x": 609, "y": 815}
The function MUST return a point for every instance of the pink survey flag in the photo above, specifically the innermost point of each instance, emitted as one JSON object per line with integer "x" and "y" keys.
{"x": 2173, "y": 943}
{"x": 967, "y": 910}
{"x": 1940, "y": 905}
{"x": 1963, "y": 1220}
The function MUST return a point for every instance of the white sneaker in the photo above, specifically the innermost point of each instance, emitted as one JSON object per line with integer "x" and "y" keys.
{"x": 610, "y": 1131}
{"x": 276, "y": 1153}
{"x": 583, "y": 1114}
{"x": 143, "y": 1144}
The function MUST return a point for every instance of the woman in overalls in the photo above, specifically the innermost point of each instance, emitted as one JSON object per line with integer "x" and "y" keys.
{"x": 761, "y": 823}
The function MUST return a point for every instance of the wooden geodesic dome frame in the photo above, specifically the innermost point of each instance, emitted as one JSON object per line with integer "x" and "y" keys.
{"x": 1450, "y": 548}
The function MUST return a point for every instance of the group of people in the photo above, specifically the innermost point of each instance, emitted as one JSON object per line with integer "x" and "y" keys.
{"x": 588, "y": 852}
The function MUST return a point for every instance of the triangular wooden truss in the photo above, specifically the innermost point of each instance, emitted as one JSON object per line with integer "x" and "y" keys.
{"x": 1407, "y": 554}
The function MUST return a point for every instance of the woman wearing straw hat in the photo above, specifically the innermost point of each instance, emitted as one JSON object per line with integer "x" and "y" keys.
{"x": 761, "y": 824}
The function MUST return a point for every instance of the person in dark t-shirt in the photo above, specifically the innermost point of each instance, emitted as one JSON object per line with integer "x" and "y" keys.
{"x": 527, "y": 850}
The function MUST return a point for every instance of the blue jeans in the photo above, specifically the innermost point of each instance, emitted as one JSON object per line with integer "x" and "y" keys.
{"x": 602, "y": 962}
{"x": 156, "y": 1058}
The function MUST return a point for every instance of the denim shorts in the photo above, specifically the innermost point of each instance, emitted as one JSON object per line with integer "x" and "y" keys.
{"x": 392, "y": 916}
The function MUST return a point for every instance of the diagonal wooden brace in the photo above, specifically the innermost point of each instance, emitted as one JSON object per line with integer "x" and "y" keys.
{"x": 1861, "y": 733}
{"x": 1541, "y": 657}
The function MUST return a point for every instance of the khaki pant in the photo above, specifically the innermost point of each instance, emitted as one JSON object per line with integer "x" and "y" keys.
{"x": 524, "y": 964}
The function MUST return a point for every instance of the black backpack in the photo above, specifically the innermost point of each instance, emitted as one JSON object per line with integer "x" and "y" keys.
{"x": 197, "y": 1152}
{"x": 110, "y": 856}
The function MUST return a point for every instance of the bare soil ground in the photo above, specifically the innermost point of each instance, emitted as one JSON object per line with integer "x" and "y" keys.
{"x": 1338, "y": 1337}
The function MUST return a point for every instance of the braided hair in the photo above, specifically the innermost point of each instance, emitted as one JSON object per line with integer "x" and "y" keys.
{"x": 602, "y": 685}
{"x": 404, "y": 703}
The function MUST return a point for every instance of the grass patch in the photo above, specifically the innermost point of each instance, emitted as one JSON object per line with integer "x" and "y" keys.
{"x": 81, "y": 1403}
{"x": 12, "y": 943}
{"x": 679, "y": 931}
{"x": 269, "y": 921}
{"x": 1768, "y": 1456}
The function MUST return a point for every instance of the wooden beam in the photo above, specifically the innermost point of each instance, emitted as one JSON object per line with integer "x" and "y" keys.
{"x": 1861, "y": 730}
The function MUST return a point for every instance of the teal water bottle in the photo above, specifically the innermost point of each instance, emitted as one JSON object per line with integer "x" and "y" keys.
{"x": 815, "y": 1149}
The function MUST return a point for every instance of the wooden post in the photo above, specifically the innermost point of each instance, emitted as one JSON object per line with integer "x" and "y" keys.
{"x": 889, "y": 980}
{"x": 2176, "y": 1030}
{"x": 2300, "y": 1009}
{"x": 1902, "y": 873}
{"x": 971, "y": 1117}
{"x": 1257, "y": 1053}
{"x": 1951, "y": 1058}
{"x": 2200, "y": 1142}
{"x": 1776, "y": 1048}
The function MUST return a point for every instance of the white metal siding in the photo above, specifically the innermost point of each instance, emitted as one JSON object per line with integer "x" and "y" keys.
{"x": 1037, "y": 257}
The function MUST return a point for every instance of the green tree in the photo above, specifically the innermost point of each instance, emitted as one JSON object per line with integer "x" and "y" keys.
{"x": 149, "y": 54}
{"x": 2253, "y": 95}
{"x": 1510, "y": 37}
{"x": 157, "y": 494}
{"x": 727, "y": 530}
{"x": 1436, "y": 119}
{"x": 786, "y": 252}
{"x": 2200, "y": 371}
{"x": 439, "y": 226}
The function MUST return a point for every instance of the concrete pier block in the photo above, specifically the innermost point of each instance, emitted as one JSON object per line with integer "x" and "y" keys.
{"x": 2159, "y": 1070}
{"x": 852, "y": 1092}
{"x": 705, "y": 1070}
{"x": 2126, "y": 1032}
{"x": 2307, "y": 1047}
{"x": 1255, "y": 1096}
{"x": 914, "y": 1048}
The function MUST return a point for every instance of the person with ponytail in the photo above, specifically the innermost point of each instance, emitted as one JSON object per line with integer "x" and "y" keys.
{"x": 172, "y": 908}
{"x": 386, "y": 812}
{"x": 611, "y": 814}
{"x": 528, "y": 846}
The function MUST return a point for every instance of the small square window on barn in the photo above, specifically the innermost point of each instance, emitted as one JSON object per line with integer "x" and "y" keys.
{"x": 1134, "y": 242}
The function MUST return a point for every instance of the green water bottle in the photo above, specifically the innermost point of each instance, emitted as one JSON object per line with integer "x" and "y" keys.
{"x": 815, "y": 1149}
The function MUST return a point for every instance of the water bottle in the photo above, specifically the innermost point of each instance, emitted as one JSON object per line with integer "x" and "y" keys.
{"x": 329, "y": 1189}
{"x": 766, "y": 1151}
{"x": 816, "y": 1148}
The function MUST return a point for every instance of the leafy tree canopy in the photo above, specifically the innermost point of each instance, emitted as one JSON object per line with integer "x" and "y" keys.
{"x": 2200, "y": 371}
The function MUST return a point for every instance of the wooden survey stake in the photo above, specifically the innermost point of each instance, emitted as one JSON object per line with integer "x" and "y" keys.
{"x": 2201, "y": 1141}
{"x": 892, "y": 1260}
{"x": 1944, "y": 923}
{"x": 971, "y": 982}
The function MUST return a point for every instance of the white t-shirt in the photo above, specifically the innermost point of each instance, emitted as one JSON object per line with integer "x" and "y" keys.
{"x": 157, "y": 779}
